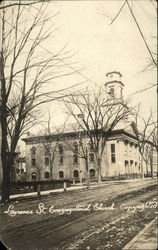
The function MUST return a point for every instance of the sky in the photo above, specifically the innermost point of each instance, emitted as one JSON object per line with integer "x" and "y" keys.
{"x": 99, "y": 47}
{"x": 84, "y": 26}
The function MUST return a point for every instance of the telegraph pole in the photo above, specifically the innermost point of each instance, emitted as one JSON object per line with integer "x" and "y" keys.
{"x": 1, "y": 172}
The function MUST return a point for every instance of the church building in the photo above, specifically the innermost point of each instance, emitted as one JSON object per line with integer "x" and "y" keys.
{"x": 121, "y": 158}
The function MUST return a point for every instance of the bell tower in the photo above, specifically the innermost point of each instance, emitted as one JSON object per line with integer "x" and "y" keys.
{"x": 114, "y": 85}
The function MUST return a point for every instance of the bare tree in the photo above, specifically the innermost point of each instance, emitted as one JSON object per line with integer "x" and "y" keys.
{"x": 79, "y": 149}
{"x": 16, "y": 3}
{"x": 97, "y": 117}
{"x": 153, "y": 56}
{"x": 27, "y": 75}
{"x": 49, "y": 144}
{"x": 144, "y": 130}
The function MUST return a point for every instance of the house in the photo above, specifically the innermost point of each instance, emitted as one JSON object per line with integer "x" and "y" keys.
{"x": 121, "y": 158}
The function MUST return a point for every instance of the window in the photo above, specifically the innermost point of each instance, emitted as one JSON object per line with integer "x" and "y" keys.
{"x": 131, "y": 163}
{"x": 46, "y": 160}
{"x": 46, "y": 175}
{"x": 91, "y": 157}
{"x": 139, "y": 167}
{"x": 92, "y": 173}
{"x": 91, "y": 146}
{"x": 75, "y": 146}
{"x": 33, "y": 151}
{"x": 76, "y": 175}
{"x": 112, "y": 92}
{"x": 61, "y": 150}
{"x": 33, "y": 161}
{"x": 17, "y": 170}
{"x": 61, "y": 160}
{"x": 135, "y": 163}
{"x": 22, "y": 170}
{"x": 33, "y": 156}
{"x": 34, "y": 176}
{"x": 126, "y": 163}
{"x": 75, "y": 159}
{"x": 61, "y": 174}
{"x": 47, "y": 151}
{"x": 113, "y": 158}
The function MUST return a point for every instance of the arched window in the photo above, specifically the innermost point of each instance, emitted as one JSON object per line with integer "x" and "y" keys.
{"x": 46, "y": 175}
{"x": 61, "y": 174}
{"x": 61, "y": 150}
{"x": 34, "y": 176}
{"x": 76, "y": 175}
{"x": 75, "y": 146}
{"x": 92, "y": 173}
{"x": 112, "y": 92}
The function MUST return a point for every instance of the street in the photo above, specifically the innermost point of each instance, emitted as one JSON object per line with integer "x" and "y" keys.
{"x": 104, "y": 217}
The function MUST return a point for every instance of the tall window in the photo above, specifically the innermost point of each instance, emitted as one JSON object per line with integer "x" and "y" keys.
{"x": 113, "y": 157}
{"x": 92, "y": 173}
{"x": 75, "y": 156}
{"x": 46, "y": 159}
{"x": 91, "y": 157}
{"x": 91, "y": 146}
{"x": 76, "y": 175}
{"x": 126, "y": 163}
{"x": 34, "y": 176}
{"x": 61, "y": 150}
{"x": 75, "y": 146}
{"x": 33, "y": 156}
{"x": 46, "y": 175}
{"x": 75, "y": 159}
{"x": 61, "y": 160}
{"x": 61, "y": 174}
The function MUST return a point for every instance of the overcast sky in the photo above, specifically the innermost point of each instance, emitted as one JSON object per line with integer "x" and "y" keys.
{"x": 84, "y": 27}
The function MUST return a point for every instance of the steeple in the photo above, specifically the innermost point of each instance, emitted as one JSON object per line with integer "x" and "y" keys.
{"x": 114, "y": 85}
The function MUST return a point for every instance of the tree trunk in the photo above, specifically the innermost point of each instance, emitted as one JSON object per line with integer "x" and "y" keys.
{"x": 88, "y": 177}
{"x": 7, "y": 166}
{"x": 151, "y": 164}
{"x": 147, "y": 168}
{"x": 141, "y": 165}
{"x": 51, "y": 170}
{"x": 4, "y": 158}
{"x": 99, "y": 170}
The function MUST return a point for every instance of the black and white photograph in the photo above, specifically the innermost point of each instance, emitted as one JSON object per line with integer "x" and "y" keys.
{"x": 78, "y": 125}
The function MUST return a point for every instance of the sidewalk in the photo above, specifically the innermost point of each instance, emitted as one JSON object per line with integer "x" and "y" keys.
{"x": 146, "y": 239}
{"x": 75, "y": 187}
{"x": 49, "y": 192}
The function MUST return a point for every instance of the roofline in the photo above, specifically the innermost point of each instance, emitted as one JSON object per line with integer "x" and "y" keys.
{"x": 56, "y": 136}
{"x": 113, "y": 82}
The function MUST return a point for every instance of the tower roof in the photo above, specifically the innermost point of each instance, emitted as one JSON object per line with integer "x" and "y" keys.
{"x": 116, "y": 72}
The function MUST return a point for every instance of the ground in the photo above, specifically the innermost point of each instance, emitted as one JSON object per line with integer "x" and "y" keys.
{"x": 115, "y": 213}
